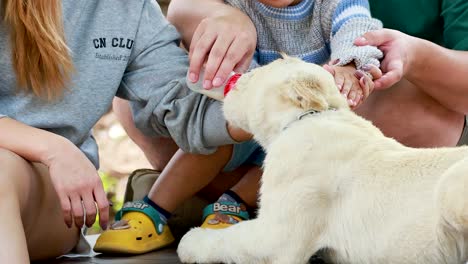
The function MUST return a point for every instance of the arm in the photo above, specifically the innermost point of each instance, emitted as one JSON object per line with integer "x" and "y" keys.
{"x": 155, "y": 84}
{"x": 74, "y": 177}
{"x": 30, "y": 143}
{"x": 216, "y": 33}
{"x": 440, "y": 72}
{"x": 186, "y": 15}
{"x": 343, "y": 21}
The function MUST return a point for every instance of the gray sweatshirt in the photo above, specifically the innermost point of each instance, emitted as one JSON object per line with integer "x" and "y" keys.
{"x": 124, "y": 48}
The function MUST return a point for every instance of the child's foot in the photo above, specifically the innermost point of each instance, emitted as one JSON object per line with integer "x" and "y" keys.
{"x": 140, "y": 228}
{"x": 227, "y": 211}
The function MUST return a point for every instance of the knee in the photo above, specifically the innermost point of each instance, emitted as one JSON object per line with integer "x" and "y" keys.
{"x": 17, "y": 176}
{"x": 58, "y": 245}
{"x": 123, "y": 113}
{"x": 158, "y": 151}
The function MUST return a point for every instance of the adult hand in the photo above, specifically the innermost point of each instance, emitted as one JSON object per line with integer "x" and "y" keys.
{"x": 77, "y": 184}
{"x": 397, "y": 49}
{"x": 226, "y": 42}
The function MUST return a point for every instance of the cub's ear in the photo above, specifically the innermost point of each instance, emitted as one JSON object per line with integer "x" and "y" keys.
{"x": 305, "y": 92}
{"x": 284, "y": 55}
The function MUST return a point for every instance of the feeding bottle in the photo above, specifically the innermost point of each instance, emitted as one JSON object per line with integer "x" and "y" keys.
{"x": 217, "y": 92}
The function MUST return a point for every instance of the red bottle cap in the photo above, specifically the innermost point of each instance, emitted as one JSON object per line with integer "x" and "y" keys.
{"x": 231, "y": 83}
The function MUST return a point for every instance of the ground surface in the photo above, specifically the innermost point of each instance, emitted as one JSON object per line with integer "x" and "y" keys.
{"x": 165, "y": 256}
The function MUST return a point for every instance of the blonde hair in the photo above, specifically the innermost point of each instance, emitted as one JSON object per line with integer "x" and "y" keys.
{"x": 41, "y": 58}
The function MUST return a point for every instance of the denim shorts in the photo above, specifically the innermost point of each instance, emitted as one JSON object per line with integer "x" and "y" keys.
{"x": 248, "y": 153}
{"x": 464, "y": 136}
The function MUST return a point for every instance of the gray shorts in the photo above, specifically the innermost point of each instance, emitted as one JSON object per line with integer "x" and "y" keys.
{"x": 464, "y": 136}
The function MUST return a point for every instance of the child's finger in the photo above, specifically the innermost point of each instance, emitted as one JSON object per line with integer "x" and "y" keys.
{"x": 367, "y": 86}
{"x": 360, "y": 75}
{"x": 373, "y": 70}
{"x": 346, "y": 87}
{"x": 360, "y": 99}
{"x": 339, "y": 80}
{"x": 364, "y": 83}
{"x": 329, "y": 69}
{"x": 352, "y": 96}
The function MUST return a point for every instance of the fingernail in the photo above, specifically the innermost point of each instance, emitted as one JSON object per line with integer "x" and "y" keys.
{"x": 364, "y": 80}
{"x": 358, "y": 74}
{"x": 363, "y": 39}
{"x": 366, "y": 67}
{"x": 193, "y": 77}
{"x": 207, "y": 84}
{"x": 217, "y": 82}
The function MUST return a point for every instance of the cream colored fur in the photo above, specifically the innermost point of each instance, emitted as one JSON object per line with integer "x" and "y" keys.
{"x": 333, "y": 181}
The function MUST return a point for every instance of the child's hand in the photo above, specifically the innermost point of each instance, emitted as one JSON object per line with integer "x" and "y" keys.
{"x": 355, "y": 85}
{"x": 226, "y": 43}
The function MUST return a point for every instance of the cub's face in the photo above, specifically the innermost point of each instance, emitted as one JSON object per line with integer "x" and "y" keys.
{"x": 287, "y": 84}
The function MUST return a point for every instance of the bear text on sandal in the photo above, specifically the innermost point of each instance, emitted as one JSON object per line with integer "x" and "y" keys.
{"x": 138, "y": 229}
{"x": 223, "y": 214}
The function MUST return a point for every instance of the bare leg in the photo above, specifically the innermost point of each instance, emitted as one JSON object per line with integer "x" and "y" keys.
{"x": 185, "y": 175}
{"x": 158, "y": 151}
{"x": 31, "y": 213}
{"x": 223, "y": 182}
{"x": 247, "y": 188}
{"x": 283, "y": 232}
{"x": 266, "y": 239}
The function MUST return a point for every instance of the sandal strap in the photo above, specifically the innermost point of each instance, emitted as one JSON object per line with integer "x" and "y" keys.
{"x": 227, "y": 208}
{"x": 142, "y": 207}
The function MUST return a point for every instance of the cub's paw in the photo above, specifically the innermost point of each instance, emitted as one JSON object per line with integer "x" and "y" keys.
{"x": 195, "y": 246}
